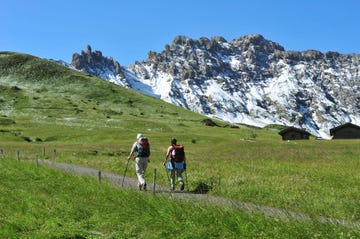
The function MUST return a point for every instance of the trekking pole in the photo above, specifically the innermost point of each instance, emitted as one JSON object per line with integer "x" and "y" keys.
{"x": 186, "y": 181}
{"x": 126, "y": 167}
{"x": 167, "y": 174}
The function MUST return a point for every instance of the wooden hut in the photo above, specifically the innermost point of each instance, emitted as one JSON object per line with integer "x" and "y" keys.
{"x": 346, "y": 131}
{"x": 292, "y": 133}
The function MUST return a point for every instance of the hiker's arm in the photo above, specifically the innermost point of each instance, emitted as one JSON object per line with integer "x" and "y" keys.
{"x": 167, "y": 155}
{"x": 131, "y": 154}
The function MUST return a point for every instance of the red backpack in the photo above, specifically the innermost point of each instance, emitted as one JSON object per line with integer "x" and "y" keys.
{"x": 178, "y": 153}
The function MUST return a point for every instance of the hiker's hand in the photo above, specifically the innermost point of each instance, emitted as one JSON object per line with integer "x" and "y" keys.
{"x": 164, "y": 164}
{"x": 129, "y": 158}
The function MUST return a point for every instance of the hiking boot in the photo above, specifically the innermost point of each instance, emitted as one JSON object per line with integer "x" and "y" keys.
{"x": 182, "y": 186}
{"x": 172, "y": 188}
{"x": 144, "y": 186}
{"x": 140, "y": 186}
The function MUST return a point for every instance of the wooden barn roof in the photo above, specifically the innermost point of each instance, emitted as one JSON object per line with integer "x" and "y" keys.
{"x": 347, "y": 125}
{"x": 284, "y": 131}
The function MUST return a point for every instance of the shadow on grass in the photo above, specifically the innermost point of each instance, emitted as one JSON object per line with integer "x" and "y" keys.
{"x": 202, "y": 188}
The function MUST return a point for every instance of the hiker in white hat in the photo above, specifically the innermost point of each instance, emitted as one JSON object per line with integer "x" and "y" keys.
{"x": 141, "y": 150}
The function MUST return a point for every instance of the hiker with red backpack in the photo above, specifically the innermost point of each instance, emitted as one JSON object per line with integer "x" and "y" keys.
{"x": 175, "y": 162}
{"x": 141, "y": 150}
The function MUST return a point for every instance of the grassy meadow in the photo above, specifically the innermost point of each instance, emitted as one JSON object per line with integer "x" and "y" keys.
{"x": 46, "y": 203}
{"x": 49, "y": 111}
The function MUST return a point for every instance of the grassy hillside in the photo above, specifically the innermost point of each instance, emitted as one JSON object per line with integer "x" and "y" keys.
{"x": 43, "y": 91}
{"x": 49, "y": 111}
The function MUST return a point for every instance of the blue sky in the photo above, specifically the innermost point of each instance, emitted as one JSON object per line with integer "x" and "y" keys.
{"x": 128, "y": 29}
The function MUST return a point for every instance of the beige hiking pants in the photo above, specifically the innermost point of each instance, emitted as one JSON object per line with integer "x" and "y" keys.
{"x": 140, "y": 167}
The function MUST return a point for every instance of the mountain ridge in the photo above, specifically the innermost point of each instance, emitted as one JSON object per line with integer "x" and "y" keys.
{"x": 248, "y": 80}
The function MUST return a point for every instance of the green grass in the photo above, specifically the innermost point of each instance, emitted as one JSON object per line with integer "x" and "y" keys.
{"x": 45, "y": 203}
{"x": 49, "y": 111}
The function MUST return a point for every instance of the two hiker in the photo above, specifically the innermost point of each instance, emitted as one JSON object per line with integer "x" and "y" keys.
{"x": 174, "y": 161}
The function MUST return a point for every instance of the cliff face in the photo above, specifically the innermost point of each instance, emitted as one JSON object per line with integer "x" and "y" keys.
{"x": 249, "y": 80}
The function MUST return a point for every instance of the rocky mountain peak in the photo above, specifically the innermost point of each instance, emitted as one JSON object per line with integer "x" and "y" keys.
{"x": 88, "y": 50}
{"x": 257, "y": 43}
{"x": 93, "y": 62}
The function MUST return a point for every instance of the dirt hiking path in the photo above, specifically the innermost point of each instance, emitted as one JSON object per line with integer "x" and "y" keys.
{"x": 127, "y": 182}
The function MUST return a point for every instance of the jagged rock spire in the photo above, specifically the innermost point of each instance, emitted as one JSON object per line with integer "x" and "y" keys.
{"x": 93, "y": 62}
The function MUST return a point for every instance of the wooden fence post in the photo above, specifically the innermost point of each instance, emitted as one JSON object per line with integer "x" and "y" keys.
{"x": 99, "y": 176}
{"x": 154, "y": 181}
